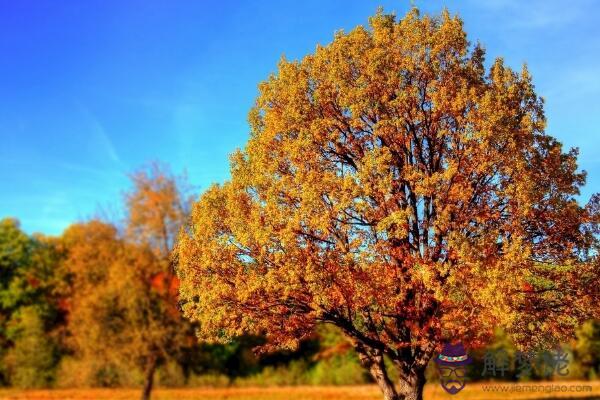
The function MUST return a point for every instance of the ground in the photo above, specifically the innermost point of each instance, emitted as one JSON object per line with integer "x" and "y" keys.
{"x": 570, "y": 390}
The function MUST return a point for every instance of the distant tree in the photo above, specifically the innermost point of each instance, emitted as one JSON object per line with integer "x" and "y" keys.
{"x": 29, "y": 305}
{"x": 15, "y": 256}
{"x": 33, "y": 357}
{"x": 96, "y": 320}
{"x": 15, "y": 250}
{"x": 124, "y": 303}
{"x": 394, "y": 188}
{"x": 158, "y": 207}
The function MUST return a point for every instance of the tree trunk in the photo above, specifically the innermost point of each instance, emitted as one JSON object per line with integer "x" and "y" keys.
{"x": 374, "y": 362}
{"x": 411, "y": 386}
{"x": 412, "y": 377}
{"x": 385, "y": 384}
{"x": 149, "y": 380}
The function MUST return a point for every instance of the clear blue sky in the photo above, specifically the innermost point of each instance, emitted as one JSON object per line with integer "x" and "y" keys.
{"x": 90, "y": 90}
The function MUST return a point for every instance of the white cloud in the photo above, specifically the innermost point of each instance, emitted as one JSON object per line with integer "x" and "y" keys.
{"x": 100, "y": 137}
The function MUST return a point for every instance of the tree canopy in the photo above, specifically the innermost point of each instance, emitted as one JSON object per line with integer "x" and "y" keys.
{"x": 397, "y": 188}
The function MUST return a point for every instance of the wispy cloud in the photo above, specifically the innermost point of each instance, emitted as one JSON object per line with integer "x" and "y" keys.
{"x": 99, "y": 135}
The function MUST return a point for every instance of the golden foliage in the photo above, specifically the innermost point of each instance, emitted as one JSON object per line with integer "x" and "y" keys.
{"x": 395, "y": 188}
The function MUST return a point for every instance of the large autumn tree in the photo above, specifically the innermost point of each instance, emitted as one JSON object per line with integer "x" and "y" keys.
{"x": 395, "y": 187}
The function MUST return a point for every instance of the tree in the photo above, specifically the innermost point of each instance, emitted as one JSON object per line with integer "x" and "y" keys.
{"x": 158, "y": 207}
{"x": 29, "y": 284}
{"x": 394, "y": 188}
{"x": 33, "y": 357}
{"x": 15, "y": 253}
{"x": 95, "y": 256}
{"x": 123, "y": 284}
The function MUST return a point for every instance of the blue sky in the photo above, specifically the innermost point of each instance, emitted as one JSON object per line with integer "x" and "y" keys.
{"x": 91, "y": 90}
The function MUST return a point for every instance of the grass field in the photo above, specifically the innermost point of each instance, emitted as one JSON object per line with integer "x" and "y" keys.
{"x": 566, "y": 390}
